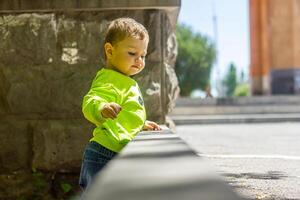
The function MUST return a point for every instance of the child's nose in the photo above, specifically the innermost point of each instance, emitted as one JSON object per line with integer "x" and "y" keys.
{"x": 139, "y": 61}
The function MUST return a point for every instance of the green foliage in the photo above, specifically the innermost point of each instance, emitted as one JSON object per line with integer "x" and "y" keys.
{"x": 40, "y": 186}
{"x": 242, "y": 90}
{"x": 22, "y": 198}
{"x": 196, "y": 55}
{"x": 51, "y": 186}
{"x": 66, "y": 187}
{"x": 230, "y": 80}
{"x": 39, "y": 180}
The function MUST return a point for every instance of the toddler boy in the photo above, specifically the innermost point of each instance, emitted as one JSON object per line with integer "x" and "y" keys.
{"x": 114, "y": 102}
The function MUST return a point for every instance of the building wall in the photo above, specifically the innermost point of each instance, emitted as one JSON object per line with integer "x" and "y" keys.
{"x": 275, "y": 46}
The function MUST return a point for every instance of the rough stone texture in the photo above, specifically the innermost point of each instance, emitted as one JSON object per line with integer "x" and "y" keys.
{"x": 38, "y": 185}
{"x": 44, "y": 90}
{"x": 15, "y": 148}
{"x": 172, "y": 81}
{"x": 54, "y": 5}
{"x": 47, "y": 63}
{"x": 15, "y": 185}
{"x": 58, "y": 144}
{"x": 48, "y": 57}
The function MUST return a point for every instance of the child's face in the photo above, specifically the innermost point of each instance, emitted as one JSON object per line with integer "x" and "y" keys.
{"x": 127, "y": 56}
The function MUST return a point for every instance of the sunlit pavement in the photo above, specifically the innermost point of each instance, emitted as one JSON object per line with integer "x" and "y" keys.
{"x": 262, "y": 161}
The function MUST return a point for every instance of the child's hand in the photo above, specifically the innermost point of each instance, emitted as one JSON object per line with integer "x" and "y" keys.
{"x": 111, "y": 110}
{"x": 149, "y": 125}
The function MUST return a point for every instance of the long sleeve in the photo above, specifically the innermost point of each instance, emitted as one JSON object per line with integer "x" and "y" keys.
{"x": 111, "y": 86}
{"x": 95, "y": 99}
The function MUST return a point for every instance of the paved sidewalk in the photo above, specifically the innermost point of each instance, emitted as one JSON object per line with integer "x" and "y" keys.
{"x": 262, "y": 161}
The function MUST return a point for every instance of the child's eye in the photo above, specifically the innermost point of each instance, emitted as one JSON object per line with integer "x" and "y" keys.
{"x": 131, "y": 53}
{"x": 143, "y": 57}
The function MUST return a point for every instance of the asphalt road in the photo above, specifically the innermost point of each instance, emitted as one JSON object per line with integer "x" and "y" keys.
{"x": 261, "y": 161}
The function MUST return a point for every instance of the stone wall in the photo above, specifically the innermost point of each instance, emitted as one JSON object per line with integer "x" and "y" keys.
{"x": 48, "y": 59}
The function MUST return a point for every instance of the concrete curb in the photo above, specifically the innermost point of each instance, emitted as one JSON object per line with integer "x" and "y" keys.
{"x": 228, "y": 119}
{"x": 159, "y": 166}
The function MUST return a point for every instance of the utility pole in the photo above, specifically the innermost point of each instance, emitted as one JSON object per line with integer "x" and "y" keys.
{"x": 216, "y": 65}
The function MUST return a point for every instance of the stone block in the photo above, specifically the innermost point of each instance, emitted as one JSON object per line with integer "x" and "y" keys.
{"x": 16, "y": 184}
{"x": 172, "y": 89}
{"x": 150, "y": 83}
{"x": 58, "y": 144}
{"x": 15, "y": 148}
{"x": 45, "y": 90}
{"x": 171, "y": 83}
{"x": 79, "y": 37}
{"x": 58, "y": 5}
{"x": 27, "y": 39}
{"x": 4, "y": 87}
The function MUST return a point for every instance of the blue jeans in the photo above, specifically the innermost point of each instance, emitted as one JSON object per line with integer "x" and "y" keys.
{"x": 95, "y": 157}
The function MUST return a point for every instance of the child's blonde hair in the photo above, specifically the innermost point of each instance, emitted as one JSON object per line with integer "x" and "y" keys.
{"x": 121, "y": 28}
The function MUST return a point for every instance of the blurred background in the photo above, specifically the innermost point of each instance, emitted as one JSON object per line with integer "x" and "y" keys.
{"x": 244, "y": 48}
{"x": 218, "y": 31}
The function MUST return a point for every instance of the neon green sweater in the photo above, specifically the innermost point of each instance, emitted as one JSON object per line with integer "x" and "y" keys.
{"x": 111, "y": 86}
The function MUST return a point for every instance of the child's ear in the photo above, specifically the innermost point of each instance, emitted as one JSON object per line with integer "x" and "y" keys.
{"x": 108, "y": 49}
